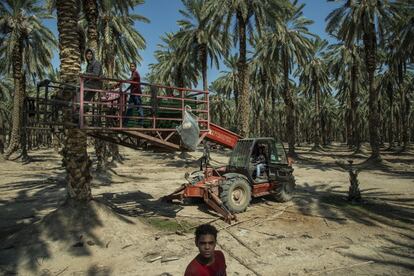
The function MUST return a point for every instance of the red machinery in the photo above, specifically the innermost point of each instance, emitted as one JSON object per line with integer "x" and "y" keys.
{"x": 229, "y": 189}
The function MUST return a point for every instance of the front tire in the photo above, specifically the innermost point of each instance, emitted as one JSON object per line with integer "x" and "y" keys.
{"x": 235, "y": 194}
{"x": 284, "y": 191}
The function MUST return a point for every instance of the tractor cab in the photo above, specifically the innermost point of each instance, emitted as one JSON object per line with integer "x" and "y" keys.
{"x": 260, "y": 160}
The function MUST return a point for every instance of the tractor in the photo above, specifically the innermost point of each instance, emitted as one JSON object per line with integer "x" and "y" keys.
{"x": 229, "y": 189}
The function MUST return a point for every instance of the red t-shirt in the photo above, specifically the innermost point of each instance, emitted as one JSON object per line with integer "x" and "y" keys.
{"x": 218, "y": 268}
{"x": 135, "y": 88}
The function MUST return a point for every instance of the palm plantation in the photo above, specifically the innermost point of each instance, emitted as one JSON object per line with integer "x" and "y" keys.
{"x": 246, "y": 15}
{"x": 341, "y": 101}
{"x": 365, "y": 20}
{"x": 27, "y": 43}
{"x": 315, "y": 81}
{"x": 288, "y": 45}
{"x": 255, "y": 83}
{"x": 115, "y": 21}
{"x": 200, "y": 37}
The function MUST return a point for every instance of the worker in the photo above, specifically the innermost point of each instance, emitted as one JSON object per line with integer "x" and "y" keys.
{"x": 135, "y": 90}
{"x": 208, "y": 262}
{"x": 93, "y": 69}
{"x": 260, "y": 161}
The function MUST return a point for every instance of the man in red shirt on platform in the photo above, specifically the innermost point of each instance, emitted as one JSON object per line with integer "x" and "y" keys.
{"x": 134, "y": 90}
{"x": 208, "y": 262}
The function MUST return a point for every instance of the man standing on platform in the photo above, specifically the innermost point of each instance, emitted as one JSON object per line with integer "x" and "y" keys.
{"x": 135, "y": 88}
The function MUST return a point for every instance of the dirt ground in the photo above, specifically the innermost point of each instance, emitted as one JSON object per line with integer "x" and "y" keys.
{"x": 127, "y": 230}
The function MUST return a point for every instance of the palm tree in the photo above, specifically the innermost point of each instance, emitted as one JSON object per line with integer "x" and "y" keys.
{"x": 247, "y": 15}
{"x": 110, "y": 33}
{"x": 172, "y": 68}
{"x": 405, "y": 31}
{"x": 345, "y": 62}
{"x": 263, "y": 78}
{"x": 119, "y": 42}
{"x": 26, "y": 50}
{"x": 75, "y": 157}
{"x": 406, "y": 102}
{"x": 222, "y": 109}
{"x": 6, "y": 103}
{"x": 288, "y": 45}
{"x": 365, "y": 20}
{"x": 314, "y": 79}
{"x": 402, "y": 52}
{"x": 227, "y": 82}
{"x": 200, "y": 37}
{"x": 90, "y": 9}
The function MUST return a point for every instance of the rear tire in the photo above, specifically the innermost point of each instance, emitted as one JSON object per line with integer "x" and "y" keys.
{"x": 284, "y": 191}
{"x": 235, "y": 194}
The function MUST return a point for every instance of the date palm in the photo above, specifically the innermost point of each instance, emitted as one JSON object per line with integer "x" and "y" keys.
{"x": 222, "y": 109}
{"x": 288, "y": 45}
{"x": 172, "y": 68}
{"x": 227, "y": 82}
{"x": 6, "y": 103}
{"x": 345, "y": 62}
{"x": 75, "y": 156}
{"x": 26, "y": 50}
{"x": 314, "y": 78}
{"x": 119, "y": 41}
{"x": 245, "y": 16}
{"x": 200, "y": 37}
{"x": 365, "y": 20}
{"x": 110, "y": 33}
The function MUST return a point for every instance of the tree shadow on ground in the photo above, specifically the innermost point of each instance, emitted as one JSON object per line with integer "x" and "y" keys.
{"x": 376, "y": 209}
{"x": 39, "y": 218}
{"x": 139, "y": 204}
{"x": 395, "y": 255}
{"x": 397, "y": 164}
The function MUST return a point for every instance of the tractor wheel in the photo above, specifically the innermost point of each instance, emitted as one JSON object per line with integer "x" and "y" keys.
{"x": 284, "y": 191}
{"x": 235, "y": 194}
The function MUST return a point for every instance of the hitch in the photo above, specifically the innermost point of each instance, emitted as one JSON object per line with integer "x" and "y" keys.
{"x": 203, "y": 191}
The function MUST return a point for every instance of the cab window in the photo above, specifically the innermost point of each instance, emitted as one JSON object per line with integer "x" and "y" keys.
{"x": 278, "y": 155}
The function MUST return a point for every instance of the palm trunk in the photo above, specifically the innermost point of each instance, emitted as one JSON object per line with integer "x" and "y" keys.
{"x": 2, "y": 133}
{"x": 257, "y": 117}
{"x": 203, "y": 60}
{"x": 398, "y": 128}
{"x": 179, "y": 78}
{"x": 91, "y": 13}
{"x": 356, "y": 140}
{"x": 243, "y": 108}
{"x": 348, "y": 127}
{"x": 317, "y": 137}
{"x": 390, "y": 118}
{"x": 290, "y": 110}
{"x": 405, "y": 106}
{"x": 370, "y": 45}
{"x": 23, "y": 143}
{"x": 75, "y": 157}
{"x": 18, "y": 98}
{"x": 267, "y": 122}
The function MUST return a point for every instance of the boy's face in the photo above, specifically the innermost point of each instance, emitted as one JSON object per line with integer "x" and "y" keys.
{"x": 206, "y": 245}
{"x": 132, "y": 67}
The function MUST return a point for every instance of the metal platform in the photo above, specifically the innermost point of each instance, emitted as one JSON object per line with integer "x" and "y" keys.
{"x": 107, "y": 113}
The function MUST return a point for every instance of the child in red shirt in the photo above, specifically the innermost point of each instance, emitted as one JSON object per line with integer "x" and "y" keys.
{"x": 208, "y": 262}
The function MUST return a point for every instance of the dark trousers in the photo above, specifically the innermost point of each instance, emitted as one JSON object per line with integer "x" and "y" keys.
{"x": 136, "y": 100}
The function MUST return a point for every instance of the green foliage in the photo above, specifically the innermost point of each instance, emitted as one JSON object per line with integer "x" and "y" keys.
{"x": 21, "y": 23}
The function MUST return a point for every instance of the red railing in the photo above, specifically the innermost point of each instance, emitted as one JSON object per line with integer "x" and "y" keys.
{"x": 108, "y": 108}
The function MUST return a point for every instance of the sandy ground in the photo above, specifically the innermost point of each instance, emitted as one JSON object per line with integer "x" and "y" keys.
{"x": 317, "y": 233}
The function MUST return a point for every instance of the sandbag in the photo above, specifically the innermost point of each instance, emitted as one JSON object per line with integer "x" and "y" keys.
{"x": 189, "y": 130}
